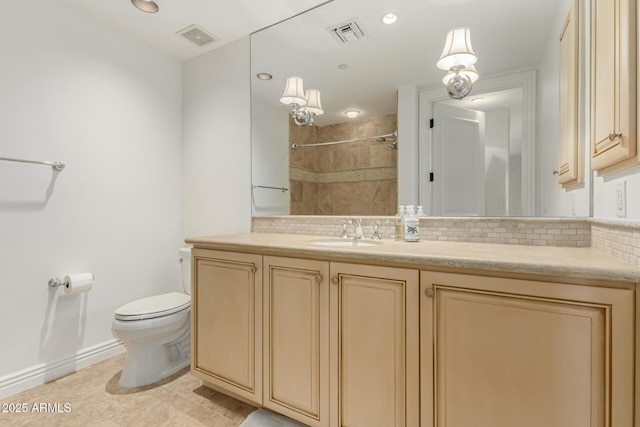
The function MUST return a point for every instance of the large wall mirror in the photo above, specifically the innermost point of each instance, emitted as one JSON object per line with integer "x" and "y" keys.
{"x": 387, "y": 73}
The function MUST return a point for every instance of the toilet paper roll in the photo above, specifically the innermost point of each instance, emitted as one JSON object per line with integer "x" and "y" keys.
{"x": 79, "y": 282}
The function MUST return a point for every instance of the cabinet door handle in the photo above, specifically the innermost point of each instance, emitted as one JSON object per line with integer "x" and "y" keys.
{"x": 253, "y": 269}
{"x": 429, "y": 292}
{"x": 334, "y": 279}
{"x": 318, "y": 278}
{"x": 613, "y": 135}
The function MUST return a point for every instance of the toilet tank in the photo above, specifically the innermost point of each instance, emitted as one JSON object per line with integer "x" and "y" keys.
{"x": 185, "y": 265}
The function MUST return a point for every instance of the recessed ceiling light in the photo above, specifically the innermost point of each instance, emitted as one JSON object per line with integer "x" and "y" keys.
{"x": 148, "y": 6}
{"x": 477, "y": 100}
{"x": 343, "y": 67}
{"x": 264, "y": 76}
{"x": 352, "y": 114}
{"x": 389, "y": 18}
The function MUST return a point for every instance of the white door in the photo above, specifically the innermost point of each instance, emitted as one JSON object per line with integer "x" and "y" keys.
{"x": 457, "y": 162}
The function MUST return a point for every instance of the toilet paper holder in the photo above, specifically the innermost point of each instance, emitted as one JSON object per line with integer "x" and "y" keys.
{"x": 73, "y": 283}
{"x": 55, "y": 282}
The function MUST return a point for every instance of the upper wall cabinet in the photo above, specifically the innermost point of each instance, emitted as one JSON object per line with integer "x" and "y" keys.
{"x": 613, "y": 80}
{"x": 568, "y": 170}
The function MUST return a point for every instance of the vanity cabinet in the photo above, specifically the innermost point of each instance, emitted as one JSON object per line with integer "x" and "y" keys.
{"x": 226, "y": 322}
{"x": 340, "y": 340}
{"x": 296, "y": 339}
{"x": 613, "y": 84}
{"x": 374, "y": 341}
{"x": 337, "y": 344}
{"x": 504, "y": 352}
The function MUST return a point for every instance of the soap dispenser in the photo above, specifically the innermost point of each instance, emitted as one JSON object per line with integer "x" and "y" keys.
{"x": 411, "y": 225}
{"x": 400, "y": 223}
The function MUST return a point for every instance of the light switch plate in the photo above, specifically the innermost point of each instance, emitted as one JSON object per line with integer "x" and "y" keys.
{"x": 621, "y": 199}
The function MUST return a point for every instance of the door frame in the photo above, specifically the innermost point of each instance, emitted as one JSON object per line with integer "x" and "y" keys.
{"x": 525, "y": 80}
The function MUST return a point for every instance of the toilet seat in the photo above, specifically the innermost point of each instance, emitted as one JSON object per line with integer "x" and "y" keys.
{"x": 154, "y": 307}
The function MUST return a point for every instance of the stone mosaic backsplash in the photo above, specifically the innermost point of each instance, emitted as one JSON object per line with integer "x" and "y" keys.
{"x": 616, "y": 238}
{"x": 518, "y": 231}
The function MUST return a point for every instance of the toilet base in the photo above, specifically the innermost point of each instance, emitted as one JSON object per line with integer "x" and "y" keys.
{"x": 150, "y": 362}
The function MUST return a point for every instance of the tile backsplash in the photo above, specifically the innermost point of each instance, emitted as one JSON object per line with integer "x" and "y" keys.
{"x": 617, "y": 238}
{"x": 518, "y": 231}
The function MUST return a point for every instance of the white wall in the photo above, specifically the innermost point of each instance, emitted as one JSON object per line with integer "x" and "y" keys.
{"x": 604, "y": 192}
{"x": 552, "y": 198}
{"x": 515, "y": 161}
{"x": 496, "y": 164}
{"x": 74, "y": 90}
{"x": 269, "y": 158}
{"x": 408, "y": 147}
{"x": 216, "y": 137}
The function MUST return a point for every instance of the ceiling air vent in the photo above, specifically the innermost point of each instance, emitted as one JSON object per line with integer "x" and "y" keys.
{"x": 348, "y": 31}
{"x": 197, "y": 35}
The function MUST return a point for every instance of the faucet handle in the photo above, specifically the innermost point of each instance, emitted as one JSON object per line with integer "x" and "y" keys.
{"x": 376, "y": 229}
{"x": 344, "y": 234}
{"x": 357, "y": 227}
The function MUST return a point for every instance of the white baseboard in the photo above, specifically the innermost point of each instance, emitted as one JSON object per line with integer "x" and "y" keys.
{"x": 45, "y": 372}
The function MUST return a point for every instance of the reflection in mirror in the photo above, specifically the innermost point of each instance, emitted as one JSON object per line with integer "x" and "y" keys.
{"x": 382, "y": 71}
{"x": 481, "y": 148}
{"x": 350, "y": 178}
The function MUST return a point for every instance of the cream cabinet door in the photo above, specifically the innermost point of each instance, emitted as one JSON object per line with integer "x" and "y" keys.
{"x": 503, "y": 352}
{"x": 374, "y": 331}
{"x": 613, "y": 82}
{"x": 226, "y": 334}
{"x": 569, "y": 60}
{"x": 296, "y": 339}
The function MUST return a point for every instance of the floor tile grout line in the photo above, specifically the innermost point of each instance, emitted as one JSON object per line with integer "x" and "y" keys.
{"x": 201, "y": 405}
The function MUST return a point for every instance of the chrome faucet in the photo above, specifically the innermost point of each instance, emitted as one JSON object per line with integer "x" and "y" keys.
{"x": 344, "y": 234}
{"x": 376, "y": 229}
{"x": 357, "y": 227}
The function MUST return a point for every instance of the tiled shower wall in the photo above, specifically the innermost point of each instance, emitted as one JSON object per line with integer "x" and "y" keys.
{"x": 344, "y": 179}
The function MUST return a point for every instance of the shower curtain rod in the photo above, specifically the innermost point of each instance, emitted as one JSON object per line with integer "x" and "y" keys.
{"x": 380, "y": 138}
{"x": 56, "y": 166}
{"x": 270, "y": 188}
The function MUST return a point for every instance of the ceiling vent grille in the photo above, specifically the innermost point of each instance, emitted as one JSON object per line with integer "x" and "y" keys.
{"x": 197, "y": 35}
{"x": 348, "y": 31}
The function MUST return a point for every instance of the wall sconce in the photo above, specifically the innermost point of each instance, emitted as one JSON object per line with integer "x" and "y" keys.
{"x": 304, "y": 105}
{"x": 458, "y": 58}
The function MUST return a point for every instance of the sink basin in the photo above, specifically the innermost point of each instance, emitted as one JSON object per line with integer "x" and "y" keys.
{"x": 346, "y": 243}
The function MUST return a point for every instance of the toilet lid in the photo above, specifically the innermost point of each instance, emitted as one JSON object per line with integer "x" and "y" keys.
{"x": 155, "y": 306}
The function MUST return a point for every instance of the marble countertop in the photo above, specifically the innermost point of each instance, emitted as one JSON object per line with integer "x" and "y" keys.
{"x": 549, "y": 261}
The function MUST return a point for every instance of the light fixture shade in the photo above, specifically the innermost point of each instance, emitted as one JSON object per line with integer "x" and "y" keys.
{"x": 294, "y": 92}
{"x": 313, "y": 102}
{"x": 469, "y": 72}
{"x": 148, "y": 6}
{"x": 457, "y": 50}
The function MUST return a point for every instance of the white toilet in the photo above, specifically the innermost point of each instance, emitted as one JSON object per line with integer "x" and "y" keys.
{"x": 156, "y": 332}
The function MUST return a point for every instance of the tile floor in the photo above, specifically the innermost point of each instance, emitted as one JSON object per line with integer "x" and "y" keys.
{"x": 91, "y": 397}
